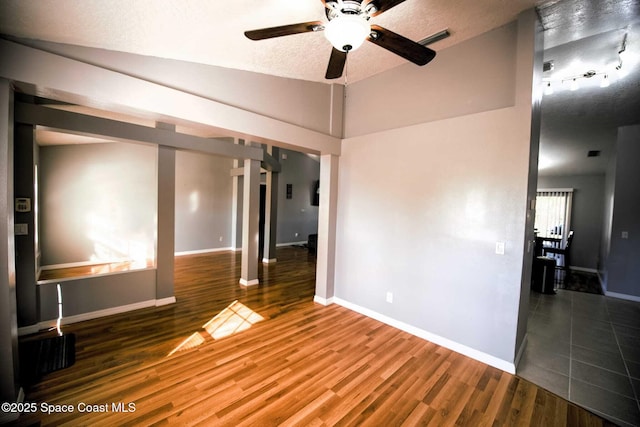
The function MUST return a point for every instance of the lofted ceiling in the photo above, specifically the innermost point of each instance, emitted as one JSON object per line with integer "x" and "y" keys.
{"x": 580, "y": 36}
{"x": 212, "y": 31}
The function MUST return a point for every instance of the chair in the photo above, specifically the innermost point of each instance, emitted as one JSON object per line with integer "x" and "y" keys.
{"x": 565, "y": 252}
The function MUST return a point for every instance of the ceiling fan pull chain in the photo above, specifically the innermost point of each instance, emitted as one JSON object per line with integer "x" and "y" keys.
{"x": 346, "y": 71}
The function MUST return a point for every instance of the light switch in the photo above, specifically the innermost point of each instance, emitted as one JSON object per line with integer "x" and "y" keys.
{"x": 21, "y": 229}
{"x": 500, "y": 248}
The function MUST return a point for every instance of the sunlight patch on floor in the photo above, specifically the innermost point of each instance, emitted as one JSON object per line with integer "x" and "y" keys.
{"x": 234, "y": 318}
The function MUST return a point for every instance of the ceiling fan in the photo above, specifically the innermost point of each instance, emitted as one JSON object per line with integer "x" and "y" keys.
{"x": 347, "y": 28}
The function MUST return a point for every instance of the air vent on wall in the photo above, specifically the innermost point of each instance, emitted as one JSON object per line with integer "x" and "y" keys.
{"x": 593, "y": 153}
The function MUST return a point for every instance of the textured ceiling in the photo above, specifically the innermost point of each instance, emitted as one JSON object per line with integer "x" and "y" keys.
{"x": 583, "y": 36}
{"x": 212, "y": 31}
{"x": 580, "y": 36}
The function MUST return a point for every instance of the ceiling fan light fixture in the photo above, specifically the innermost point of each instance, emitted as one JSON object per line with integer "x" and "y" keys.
{"x": 347, "y": 32}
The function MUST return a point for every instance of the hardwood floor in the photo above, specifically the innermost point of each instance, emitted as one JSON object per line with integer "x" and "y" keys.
{"x": 302, "y": 364}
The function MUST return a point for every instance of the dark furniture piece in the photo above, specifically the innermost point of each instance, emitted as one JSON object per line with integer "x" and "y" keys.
{"x": 312, "y": 243}
{"x": 564, "y": 252}
{"x": 543, "y": 279}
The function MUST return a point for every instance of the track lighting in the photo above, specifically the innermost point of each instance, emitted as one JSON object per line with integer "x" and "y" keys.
{"x": 575, "y": 81}
{"x": 622, "y": 53}
{"x": 574, "y": 85}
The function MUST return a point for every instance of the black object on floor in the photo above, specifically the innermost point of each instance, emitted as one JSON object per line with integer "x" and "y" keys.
{"x": 543, "y": 272}
{"x": 40, "y": 357}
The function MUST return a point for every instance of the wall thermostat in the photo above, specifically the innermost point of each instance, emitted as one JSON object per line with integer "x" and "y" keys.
{"x": 23, "y": 204}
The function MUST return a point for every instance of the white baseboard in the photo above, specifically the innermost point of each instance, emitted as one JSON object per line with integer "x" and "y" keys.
{"x": 622, "y": 296}
{"x": 323, "y": 301}
{"x": 504, "y": 365}
{"x": 165, "y": 301}
{"x": 203, "y": 251}
{"x": 252, "y": 282}
{"x": 49, "y": 324}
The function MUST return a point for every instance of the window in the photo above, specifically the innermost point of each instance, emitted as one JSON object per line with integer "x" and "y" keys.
{"x": 553, "y": 213}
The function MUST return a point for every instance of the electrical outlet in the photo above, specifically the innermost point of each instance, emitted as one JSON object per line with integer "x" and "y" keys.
{"x": 625, "y": 234}
{"x": 389, "y": 297}
{"x": 220, "y": 238}
{"x": 297, "y": 234}
{"x": 500, "y": 248}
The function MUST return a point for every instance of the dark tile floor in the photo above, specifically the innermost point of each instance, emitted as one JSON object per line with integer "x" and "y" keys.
{"x": 586, "y": 348}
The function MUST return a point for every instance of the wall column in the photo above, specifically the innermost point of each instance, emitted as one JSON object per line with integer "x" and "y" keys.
{"x": 327, "y": 216}
{"x": 271, "y": 212}
{"x": 236, "y": 217}
{"x": 250, "y": 223}
{"x": 166, "y": 225}
{"x": 24, "y": 186}
{"x": 8, "y": 319}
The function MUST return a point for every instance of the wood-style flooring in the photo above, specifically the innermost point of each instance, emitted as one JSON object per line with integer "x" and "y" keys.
{"x": 290, "y": 362}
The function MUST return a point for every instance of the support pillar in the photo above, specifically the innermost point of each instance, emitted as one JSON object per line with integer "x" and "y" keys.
{"x": 25, "y": 159}
{"x": 250, "y": 223}
{"x": 236, "y": 196}
{"x": 271, "y": 212}
{"x": 9, "y": 388}
{"x": 166, "y": 225}
{"x": 327, "y": 218}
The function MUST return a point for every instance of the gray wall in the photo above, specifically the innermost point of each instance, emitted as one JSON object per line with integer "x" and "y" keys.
{"x": 279, "y": 98}
{"x": 587, "y": 215}
{"x": 422, "y": 206}
{"x": 77, "y": 180}
{"x": 623, "y": 268}
{"x": 203, "y": 202}
{"x": 478, "y": 75}
{"x": 95, "y": 293}
{"x": 98, "y": 202}
{"x": 297, "y": 215}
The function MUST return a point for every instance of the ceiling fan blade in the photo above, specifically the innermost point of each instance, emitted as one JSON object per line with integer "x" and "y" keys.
{"x": 381, "y": 5}
{"x": 336, "y": 64}
{"x": 400, "y": 45}
{"x": 284, "y": 30}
